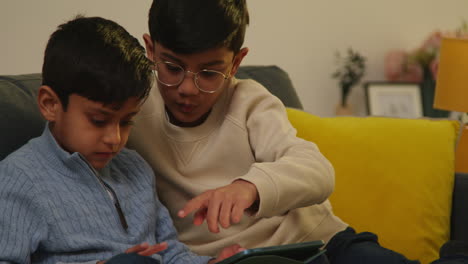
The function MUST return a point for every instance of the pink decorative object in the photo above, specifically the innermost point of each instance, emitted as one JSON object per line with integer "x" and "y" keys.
{"x": 410, "y": 66}
{"x": 399, "y": 69}
{"x": 420, "y": 65}
{"x": 432, "y": 43}
{"x": 433, "y": 67}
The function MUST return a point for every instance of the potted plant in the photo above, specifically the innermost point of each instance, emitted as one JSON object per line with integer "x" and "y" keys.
{"x": 351, "y": 68}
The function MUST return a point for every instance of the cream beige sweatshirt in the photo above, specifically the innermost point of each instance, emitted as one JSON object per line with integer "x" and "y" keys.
{"x": 246, "y": 136}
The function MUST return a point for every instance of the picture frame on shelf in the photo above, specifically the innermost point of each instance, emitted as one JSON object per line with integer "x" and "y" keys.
{"x": 394, "y": 99}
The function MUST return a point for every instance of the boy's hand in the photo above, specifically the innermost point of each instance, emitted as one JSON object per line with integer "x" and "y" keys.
{"x": 226, "y": 253}
{"x": 144, "y": 249}
{"x": 225, "y": 205}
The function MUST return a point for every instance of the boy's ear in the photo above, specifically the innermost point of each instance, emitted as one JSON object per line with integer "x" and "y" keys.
{"x": 149, "y": 45}
{"x": 48, "y": 102}
{"x": 238, "y": 59}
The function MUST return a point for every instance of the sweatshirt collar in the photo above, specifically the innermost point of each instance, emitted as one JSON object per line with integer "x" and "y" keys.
{"x": 190, "y": 134}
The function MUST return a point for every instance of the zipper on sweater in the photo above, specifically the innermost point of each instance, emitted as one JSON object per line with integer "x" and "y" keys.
{"x": 114, "y": 198}
{"x": 112, "y": 195}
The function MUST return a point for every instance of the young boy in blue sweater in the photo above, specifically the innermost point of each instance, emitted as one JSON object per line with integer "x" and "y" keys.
{"x": 75, "y": 194}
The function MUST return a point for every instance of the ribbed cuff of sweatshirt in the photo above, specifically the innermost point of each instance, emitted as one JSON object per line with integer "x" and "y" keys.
{"x": 267, "y": 192}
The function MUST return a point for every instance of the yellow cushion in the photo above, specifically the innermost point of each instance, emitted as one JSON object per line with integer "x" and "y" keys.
{"x": 394, "y": 177}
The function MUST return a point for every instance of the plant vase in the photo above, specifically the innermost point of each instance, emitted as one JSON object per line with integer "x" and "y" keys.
{"x": 344, "y": 110}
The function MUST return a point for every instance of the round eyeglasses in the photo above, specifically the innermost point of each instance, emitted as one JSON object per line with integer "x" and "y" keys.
{"x": 171, "y": 74}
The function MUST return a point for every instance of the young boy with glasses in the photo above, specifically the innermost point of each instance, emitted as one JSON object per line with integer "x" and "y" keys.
{"x": 224, "y": 149}
{"x": 75, "y": 194}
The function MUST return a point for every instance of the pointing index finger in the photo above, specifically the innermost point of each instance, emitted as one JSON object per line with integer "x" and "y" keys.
{"x": 193, "y": 205}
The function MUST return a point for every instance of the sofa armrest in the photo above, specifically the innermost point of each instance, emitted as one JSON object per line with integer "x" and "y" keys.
{"x": 459, "y": 219}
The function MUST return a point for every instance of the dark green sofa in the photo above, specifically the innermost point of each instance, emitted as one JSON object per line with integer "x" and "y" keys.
{"x": 20, "y": 121}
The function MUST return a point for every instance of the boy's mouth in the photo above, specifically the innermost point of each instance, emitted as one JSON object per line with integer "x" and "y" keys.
{"x": 105, "y": 155}
{"x": 186, "y": 108}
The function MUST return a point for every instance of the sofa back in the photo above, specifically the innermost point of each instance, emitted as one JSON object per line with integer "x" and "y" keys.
{"x": 19, "y": 114}
{"x": 21, "y": 119}
{"x": 275, "y": 79}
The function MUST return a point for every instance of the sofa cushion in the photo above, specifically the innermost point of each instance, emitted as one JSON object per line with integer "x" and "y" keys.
{"x": 394, "y": 177}
{"x": 18, "y": 111}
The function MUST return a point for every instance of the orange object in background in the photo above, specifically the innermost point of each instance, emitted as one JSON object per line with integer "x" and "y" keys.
{"x": 452, "y": 90}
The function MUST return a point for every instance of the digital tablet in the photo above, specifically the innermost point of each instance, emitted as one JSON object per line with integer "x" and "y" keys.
{"x": 299, "y": 252}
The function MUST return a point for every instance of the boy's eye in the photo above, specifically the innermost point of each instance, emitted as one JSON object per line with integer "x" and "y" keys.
{"x": 126, "y": 123}
{"x": 98, "y": 122}
{"x": 173, "y": 68}
{"x": 207, "y": 74}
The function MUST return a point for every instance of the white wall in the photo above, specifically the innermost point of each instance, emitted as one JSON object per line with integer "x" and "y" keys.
{"x": 25, "y": 26}
{"x": 301, "y": 36}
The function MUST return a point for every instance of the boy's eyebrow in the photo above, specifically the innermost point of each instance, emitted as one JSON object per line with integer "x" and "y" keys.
{"x": 100, "y": 111}
{"x": 132, "y": 114}
{"x": 212, "y": 63}
{"x": 107, "y": 113}
{"x": 180, "y": 62}
{"x": 165, "y": 54}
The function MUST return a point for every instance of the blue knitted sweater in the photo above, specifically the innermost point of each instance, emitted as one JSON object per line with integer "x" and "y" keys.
{"x": 54, "y": 208}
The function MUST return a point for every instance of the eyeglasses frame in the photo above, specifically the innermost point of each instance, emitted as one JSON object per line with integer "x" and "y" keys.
{"x": 195, "y": 76}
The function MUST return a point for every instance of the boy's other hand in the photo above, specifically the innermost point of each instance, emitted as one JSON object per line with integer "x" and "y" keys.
{"x": 227, "y": 252}
{"x": 225, "y": 205}
{"x": 145, "y": 249}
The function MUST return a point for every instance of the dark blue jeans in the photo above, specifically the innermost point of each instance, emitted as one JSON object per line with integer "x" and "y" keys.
{"x": 349, "y": 247}
{"x": 131, "y": 258}
{"x": 456, "y": 259}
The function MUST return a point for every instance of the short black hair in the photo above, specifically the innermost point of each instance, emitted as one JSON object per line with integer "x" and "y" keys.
{"x": 191, "y": 26}
{"x": 98, "y": 59}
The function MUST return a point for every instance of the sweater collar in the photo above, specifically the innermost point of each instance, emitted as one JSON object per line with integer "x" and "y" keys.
{"x": 60, "y": 159}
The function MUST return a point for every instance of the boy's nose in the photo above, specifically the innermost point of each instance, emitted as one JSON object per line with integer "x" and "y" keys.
{"x": 113, "y": 137}
{"x": 188, "y": 86}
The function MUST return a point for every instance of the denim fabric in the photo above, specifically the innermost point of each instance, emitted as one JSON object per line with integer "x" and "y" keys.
{"x": 132, "y": 258}
{"x": 456, "y": 259}
{"x": 349, "y": 247}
